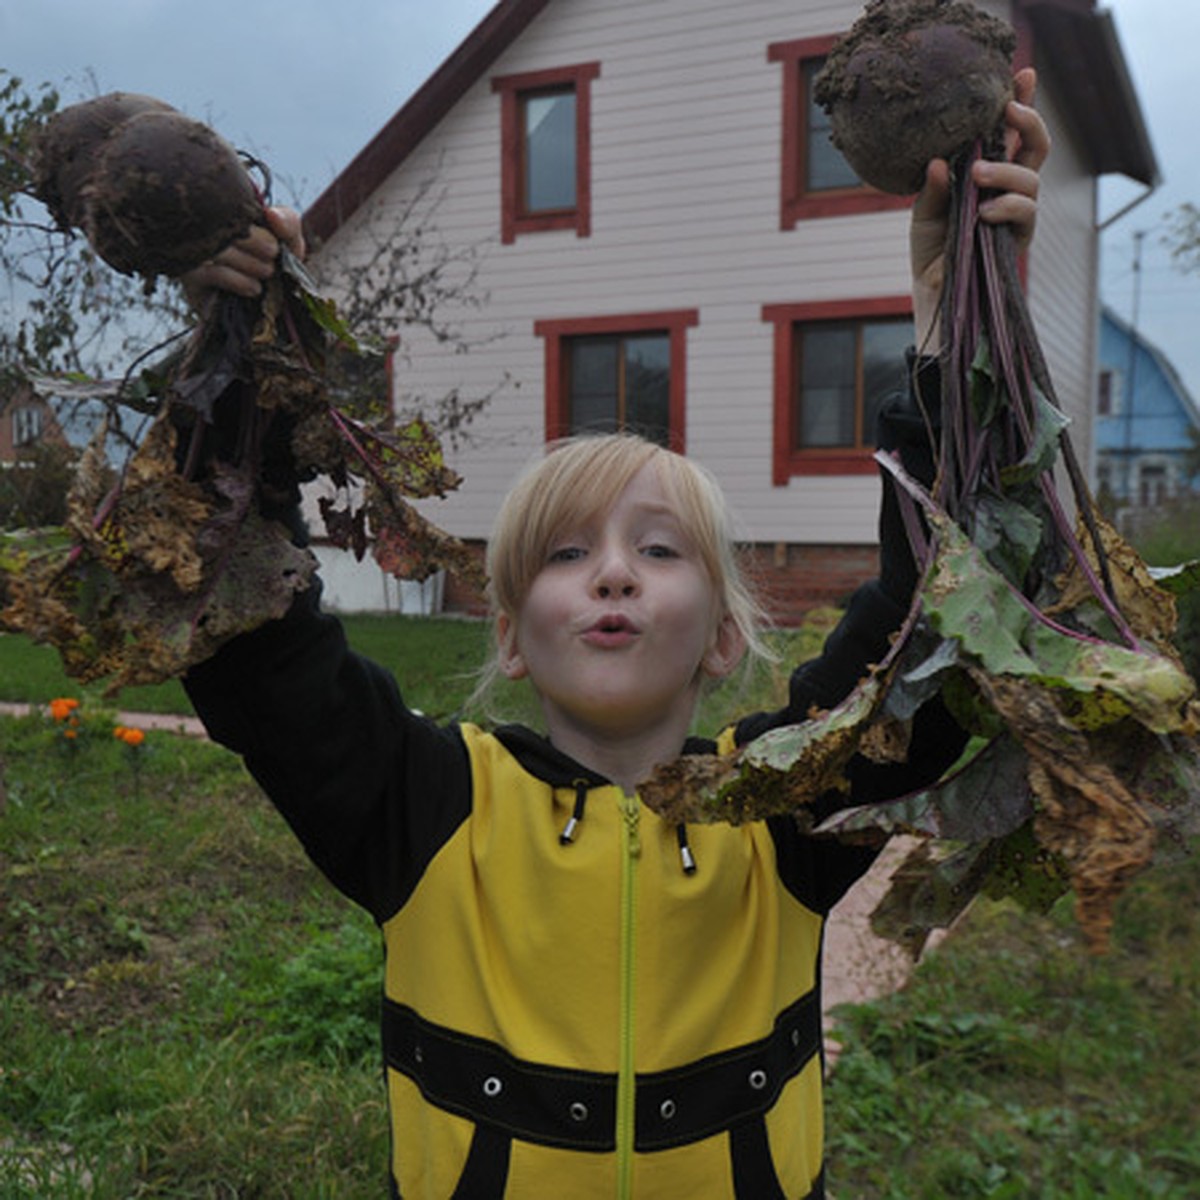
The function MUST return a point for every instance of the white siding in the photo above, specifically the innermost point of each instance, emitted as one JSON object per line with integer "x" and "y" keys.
{"x": 685, "y": 214}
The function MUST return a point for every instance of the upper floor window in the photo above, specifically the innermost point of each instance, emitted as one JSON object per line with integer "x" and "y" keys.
{"x": 618, "y": 372}
{"x": 1109, "y": 385}
{"x": 545, "y": 150}
{"x": 815, "y": 179}
{"x": 835, "y": 363}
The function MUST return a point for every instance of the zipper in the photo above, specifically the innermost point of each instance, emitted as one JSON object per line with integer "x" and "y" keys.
{"x": 632, "y": 849}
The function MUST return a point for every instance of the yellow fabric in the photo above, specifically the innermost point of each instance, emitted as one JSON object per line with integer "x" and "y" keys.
{"x": 513, "y": 937}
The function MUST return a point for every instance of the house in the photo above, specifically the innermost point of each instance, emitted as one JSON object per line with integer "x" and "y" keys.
{"x": 667, "y": 238}
{"x": 1147, "y": 423}
{"x": 26, "y": 420}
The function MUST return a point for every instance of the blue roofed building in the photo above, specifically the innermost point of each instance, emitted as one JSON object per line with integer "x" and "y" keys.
{"x": 1147, "y": 428}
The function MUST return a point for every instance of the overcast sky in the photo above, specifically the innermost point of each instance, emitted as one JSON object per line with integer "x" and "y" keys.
{"x": 304, "y": 84}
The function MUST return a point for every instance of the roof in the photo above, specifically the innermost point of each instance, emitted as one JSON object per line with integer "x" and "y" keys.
{"x": 1099, "y": 97}
{"x": 1164, "y": 364}
{"x": 1089, "y": 71}
{"x": 427, "y": 106}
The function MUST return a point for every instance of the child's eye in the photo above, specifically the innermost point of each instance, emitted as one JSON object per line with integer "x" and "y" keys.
{"x": 564, "y": 554}
{"x": 660, "y": 550}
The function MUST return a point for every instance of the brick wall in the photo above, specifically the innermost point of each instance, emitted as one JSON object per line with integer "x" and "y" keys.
{"x": 790, "y": 579}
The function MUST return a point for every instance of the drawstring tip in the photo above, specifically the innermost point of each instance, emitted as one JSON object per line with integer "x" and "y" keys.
{"x": 685, "y": 851}
{"x": 568, "y": 834}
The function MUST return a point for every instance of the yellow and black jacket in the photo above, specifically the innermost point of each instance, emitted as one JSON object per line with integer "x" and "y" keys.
{"x": 580, "y": 1000}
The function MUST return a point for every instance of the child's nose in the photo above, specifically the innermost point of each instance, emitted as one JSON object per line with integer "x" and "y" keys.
{"x": 615, "y": 575}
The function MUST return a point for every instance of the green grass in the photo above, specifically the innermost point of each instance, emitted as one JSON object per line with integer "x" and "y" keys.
{"x": 1016, "y": 1065}
{"x": 188, "y": 1010}
{"x": 436, "y": 661}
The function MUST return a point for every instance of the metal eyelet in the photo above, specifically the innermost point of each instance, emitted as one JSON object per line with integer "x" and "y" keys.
{"x": 666, "y": 1109}
{"x": 758, "y": 1080}
{"x": 579, "y": 1111}
{"x": 492, "y": 1086}
{"x": 418, "y": 1055}
{"x": 795, "y": 1037}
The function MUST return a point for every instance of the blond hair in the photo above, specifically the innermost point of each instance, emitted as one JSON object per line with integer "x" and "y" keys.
{"x": 580, "y": 478}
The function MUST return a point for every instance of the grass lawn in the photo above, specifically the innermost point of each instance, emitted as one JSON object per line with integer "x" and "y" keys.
{"x": 188, "y": 1010}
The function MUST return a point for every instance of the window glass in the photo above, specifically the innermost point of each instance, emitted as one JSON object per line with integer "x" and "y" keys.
{"x": 594, "y": 398}
{"x": 846, "y": 369}
{"x": 648, "y": 385}
{"x": 884, "y": 344}
{"x": 824, "y": 168}
{"x": 826, "y": 400}
{"x": 549, "y": 151}
{"x": 620, "y": 382}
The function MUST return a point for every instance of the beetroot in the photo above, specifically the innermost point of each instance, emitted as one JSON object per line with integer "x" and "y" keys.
{"x": 915, "y": 80}
{"x": 166, "y": 194}
{"x": 156, "y": 192}
{"x": 67, "y": 147}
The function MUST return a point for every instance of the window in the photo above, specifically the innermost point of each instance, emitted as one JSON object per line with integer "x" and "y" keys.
{"x": 834, "y": 365}
{"x": 1152, "y": 484}
{"x": 1109, "y": 387}
{"x": 618, "y": 372}
{"x": 816, "y": 181}
{"x": 26, "y": 425}
{"x": 545, "y": 150}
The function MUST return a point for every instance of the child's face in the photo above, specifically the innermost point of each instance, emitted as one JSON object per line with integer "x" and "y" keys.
{"x": 621, "y": 623}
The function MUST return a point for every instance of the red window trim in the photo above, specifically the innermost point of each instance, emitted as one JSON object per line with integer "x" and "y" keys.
{"x": 785, "y": 461}
{"x": 795, "y": 204}
{"x": 674, "y": 323}
{"x": 511, "y": 88}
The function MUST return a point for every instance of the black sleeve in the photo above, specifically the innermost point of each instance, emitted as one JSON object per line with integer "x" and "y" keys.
{"x": 370, "y": 788}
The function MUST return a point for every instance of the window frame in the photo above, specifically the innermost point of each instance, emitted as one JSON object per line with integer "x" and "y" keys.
{"x": 796, "y": 203}
{"x": 513, "y": 91}
{"x": 673, "y": 323}
{"x": 787, "y": 460}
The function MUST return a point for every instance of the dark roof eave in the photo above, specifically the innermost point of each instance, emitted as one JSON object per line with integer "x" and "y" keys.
{"x": 1101, "y": 102}
{"x": 354, "y": 185}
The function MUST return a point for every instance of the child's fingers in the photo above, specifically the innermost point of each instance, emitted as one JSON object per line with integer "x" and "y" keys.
{"x": 285, "y": 224}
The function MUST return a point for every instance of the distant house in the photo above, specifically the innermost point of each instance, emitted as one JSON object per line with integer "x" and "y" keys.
{"x": 1147, "y": 423}
{"x": 668, "y": 240}
{"x": 26, "y": 420}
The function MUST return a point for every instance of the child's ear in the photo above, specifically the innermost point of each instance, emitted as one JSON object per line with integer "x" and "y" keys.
{"x": 726, "y": 649}
{"x": 508, "y": 655}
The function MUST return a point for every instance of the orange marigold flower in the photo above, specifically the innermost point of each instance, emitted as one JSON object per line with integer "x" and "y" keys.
{"x": 62, "y": 706}
{"x": 72, "y": 734}
{"x": 132, "y": 737}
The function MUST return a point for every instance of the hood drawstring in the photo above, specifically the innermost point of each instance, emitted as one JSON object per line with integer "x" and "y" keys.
{"x": 686, "y": 858}
{"x": 685, "y": 851}
{"x": 568, "y": 834}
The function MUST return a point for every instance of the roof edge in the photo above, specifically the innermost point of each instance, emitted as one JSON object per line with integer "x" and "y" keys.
{"x": 367, "y": 170}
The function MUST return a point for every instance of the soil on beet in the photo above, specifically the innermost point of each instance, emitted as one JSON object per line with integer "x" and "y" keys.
{"x": 166, "y": 194}
{"x": 915, "y": 80}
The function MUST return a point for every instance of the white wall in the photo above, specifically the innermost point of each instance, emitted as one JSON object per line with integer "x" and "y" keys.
{"x": 686, "y": 135}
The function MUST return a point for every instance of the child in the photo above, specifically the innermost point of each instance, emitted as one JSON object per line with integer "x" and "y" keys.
{"x": 581, "y": 1001}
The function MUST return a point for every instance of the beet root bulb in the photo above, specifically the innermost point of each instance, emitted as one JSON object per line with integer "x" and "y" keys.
{"x": 166, "y": 194}
{"x": 915, "y": 80}
{"x": 69, "y": 142}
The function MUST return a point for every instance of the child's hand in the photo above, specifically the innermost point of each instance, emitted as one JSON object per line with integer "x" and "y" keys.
{"x": 1016, "y": 184}
{"x": 242, "y": 268}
